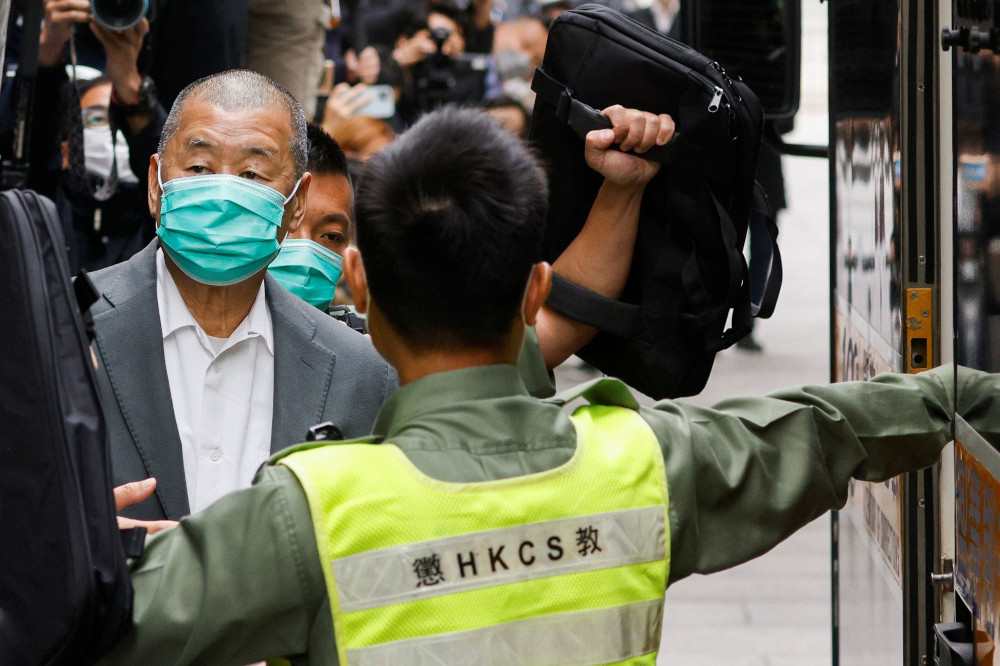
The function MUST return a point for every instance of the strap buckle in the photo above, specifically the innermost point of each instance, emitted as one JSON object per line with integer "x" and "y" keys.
{"x": 564, "y": 104}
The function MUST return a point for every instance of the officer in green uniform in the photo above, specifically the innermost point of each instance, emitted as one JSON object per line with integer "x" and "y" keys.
{"x": 480, "y": 525}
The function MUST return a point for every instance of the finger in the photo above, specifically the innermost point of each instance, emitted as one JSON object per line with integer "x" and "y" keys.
{"x": 68, "y": 6}
{"x": 667, "y": 129}
{"x": 73, "y": 16}
{"x": 81, "y": 5}
{"x": 130, "y": 493}
{"x": 141, "y": 29}
{"x": 358, "y": 103}
{"x": 600, "y": 139}
{"x": 650, "y": 130}
{"x": 152, "y": 526}
{"x": 355, "y": 92}
{"x": 338, "y": 91}
{"x": 636, "y": 126}
{"x": 618, "y": 115}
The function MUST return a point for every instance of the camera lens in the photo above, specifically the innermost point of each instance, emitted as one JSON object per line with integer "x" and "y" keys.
{"x": 118, "y": 14}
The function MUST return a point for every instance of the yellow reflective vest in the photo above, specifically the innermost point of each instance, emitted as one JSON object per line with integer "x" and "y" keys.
{"x": 565, "y": 566}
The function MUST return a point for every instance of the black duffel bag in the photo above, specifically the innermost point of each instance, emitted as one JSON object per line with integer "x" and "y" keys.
{"x": 65, "y": 591}
{"x": 689, "y": 275}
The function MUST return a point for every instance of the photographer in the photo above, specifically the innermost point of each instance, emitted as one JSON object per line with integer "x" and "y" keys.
{"x": 90, "y": 148}
{"x": 439, "y": 71}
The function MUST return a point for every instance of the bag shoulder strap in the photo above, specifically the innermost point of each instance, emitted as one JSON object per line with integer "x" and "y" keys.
{"x": 590, "y": 308}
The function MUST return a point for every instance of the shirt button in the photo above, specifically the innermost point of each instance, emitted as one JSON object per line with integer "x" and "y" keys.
{"x": 214, "y": 455}
{"x": 218, "y": 368}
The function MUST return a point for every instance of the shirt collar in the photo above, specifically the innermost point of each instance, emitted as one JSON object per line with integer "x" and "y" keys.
{"x": 444, "y": 390}
{"x": 174, "y": 313}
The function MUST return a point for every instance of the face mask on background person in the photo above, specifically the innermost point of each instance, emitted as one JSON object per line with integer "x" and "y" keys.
{"x": 98, "y": 151}
{"x": 220, "y": 229}
{"x": 308, "y": 270}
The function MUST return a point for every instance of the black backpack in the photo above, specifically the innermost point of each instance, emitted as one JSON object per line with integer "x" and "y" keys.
{"x": 65, "y": 591}
{"x": 688, "y": 273}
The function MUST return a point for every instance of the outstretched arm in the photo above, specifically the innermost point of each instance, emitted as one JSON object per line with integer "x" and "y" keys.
{"x": 600, "y": 257}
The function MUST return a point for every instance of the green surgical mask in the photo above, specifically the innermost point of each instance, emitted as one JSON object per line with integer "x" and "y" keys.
{"x": 220, "y": 229}
{"x": 308, "y": 270}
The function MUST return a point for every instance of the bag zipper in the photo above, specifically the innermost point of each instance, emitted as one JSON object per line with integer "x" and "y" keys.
{"x": 720, "y": 96}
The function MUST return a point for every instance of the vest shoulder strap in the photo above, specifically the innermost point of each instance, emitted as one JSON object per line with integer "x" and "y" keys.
{"x": 606, "y": 391}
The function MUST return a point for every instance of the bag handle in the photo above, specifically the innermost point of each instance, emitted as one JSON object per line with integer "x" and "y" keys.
{"x": 583, "y": 118}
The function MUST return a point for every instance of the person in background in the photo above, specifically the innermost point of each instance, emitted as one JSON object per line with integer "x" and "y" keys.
{"x": 510, "y": 114}
{"x": 518, "y": 48}
{"x": 285, "y": 43}
{"x": 311, "y": 260}
{"x": 360, "y": 137}
{"x": 90, "y": 149}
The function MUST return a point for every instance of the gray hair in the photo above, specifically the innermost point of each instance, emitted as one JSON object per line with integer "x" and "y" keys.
{"x": 243, "y": 90}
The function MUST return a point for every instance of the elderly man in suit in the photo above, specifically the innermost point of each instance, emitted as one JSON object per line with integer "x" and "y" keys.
{"x": 207, "y": 364}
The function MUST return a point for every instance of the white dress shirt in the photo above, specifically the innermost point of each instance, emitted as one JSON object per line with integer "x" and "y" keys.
{"x": 222, "y": 392}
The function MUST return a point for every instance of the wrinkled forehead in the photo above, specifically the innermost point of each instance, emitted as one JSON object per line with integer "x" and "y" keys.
{"x": 203, "y": 126}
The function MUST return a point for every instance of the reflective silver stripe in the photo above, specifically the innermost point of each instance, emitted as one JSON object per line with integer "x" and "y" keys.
{"x": 497, "y": 557}
{"x": 583, "y": 637}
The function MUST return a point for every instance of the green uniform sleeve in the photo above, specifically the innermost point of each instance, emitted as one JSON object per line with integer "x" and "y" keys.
{"x": 977, "y": 400}
{"x": 745, "y": 474}
{"x": 237, "y": 583}
{"x": 531, "y": 366}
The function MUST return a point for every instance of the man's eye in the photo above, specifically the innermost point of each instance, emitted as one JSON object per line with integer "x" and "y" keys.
{"x": 249, "y": 175}
{"x": 199, "y": 170}
{"x": 335, "y": 238}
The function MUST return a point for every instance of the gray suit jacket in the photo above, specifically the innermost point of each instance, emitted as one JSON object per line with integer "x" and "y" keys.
{"x": 323, "y": 371}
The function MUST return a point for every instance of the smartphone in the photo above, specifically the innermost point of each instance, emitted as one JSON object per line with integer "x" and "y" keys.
{"x": 381, "y": 103}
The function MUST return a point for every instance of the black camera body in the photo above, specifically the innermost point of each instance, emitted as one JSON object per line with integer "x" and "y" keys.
{"x": 441, "y": 79}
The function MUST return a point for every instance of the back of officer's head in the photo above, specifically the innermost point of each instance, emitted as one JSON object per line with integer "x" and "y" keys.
{"x": 449, "y": 224}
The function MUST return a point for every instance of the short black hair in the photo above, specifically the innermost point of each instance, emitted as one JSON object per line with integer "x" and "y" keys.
{"x": 449, "y": 224}
{"x": 325, "y": 155}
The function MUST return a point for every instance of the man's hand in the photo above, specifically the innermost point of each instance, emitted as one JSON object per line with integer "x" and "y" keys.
{"x": 343, "y": 101}
{"x": 633, "y": 130}
{"x": 133, "y": 493}
{"x": 60, "y": 15}
{"x": 411, "y": 51}
{"x": 122, "y": 50}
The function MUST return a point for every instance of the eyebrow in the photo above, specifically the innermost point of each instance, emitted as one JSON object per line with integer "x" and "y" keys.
{"x": 199, "y": 142}
{"x": 337, "y": 217}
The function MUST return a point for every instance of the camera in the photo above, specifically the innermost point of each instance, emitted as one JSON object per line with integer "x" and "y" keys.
{"x": 440, "y": 79}
{"x": 118, "y": 14}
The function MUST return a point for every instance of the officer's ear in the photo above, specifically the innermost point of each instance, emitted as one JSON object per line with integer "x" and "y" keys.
{"x": 536, "y": 291}
{"x": 354, "y": 273}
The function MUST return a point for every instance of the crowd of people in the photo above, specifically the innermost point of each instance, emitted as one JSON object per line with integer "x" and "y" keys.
{"x": 362, "y": 71}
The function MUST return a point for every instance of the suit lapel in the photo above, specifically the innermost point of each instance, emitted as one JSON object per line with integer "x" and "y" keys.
{"x": 302, "y": 369}
{"x": 131, "y": 344}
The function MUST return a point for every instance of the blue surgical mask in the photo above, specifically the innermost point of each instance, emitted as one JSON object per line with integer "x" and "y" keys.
{"x": 220, "y": 229}
{"x": 308, "y": 270}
